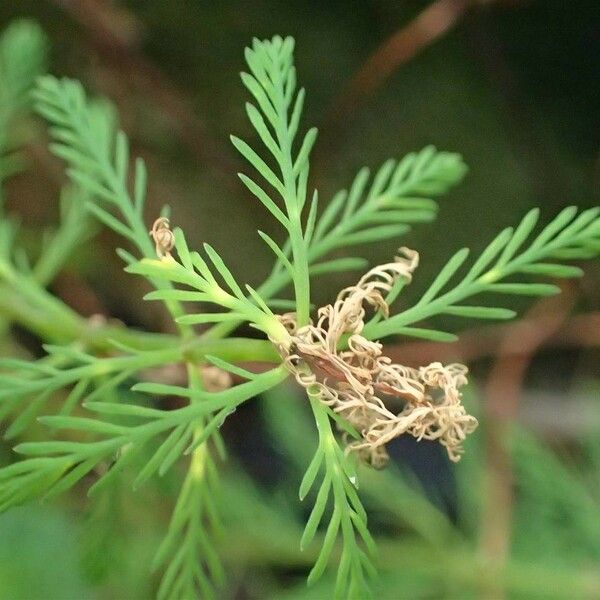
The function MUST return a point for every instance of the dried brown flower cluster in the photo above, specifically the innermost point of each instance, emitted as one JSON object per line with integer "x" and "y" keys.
{"x": 355, "y": 381}
{"x": 215, "y": 379}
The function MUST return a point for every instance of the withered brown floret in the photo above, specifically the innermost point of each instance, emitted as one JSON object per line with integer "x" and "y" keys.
{"x": 354, "y": 381}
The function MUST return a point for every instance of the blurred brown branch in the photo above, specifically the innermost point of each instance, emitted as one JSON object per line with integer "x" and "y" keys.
{"x": 502, "y": 396}
{"x": 579, "y": 331}
{"x": 116, "y": 34}
{"x": 400, "y": 48}
{"x": 432, "y": 23}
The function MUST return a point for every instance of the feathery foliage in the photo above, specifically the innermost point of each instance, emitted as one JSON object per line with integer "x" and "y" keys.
{"x": 571, "y": 235}
{"x": 97, "y": 154}
{"x": 340, "y": 482}
{"x": 22, "y": 60}
{"x": 73, "y": 386}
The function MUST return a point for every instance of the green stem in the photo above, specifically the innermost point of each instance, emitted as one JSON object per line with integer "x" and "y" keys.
{"x": 299, "y": 252}
{"x": 194, "y": 352}
{"x": 293, "y": 206}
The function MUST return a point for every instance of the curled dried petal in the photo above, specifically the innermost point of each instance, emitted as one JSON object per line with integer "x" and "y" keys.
{"x": 164, "y": 238}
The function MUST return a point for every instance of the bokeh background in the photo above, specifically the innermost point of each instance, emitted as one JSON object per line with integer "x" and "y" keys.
{"x": 510, "y": 84}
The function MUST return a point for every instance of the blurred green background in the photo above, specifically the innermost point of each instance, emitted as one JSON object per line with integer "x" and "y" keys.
{"x": 513, "y": 85}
